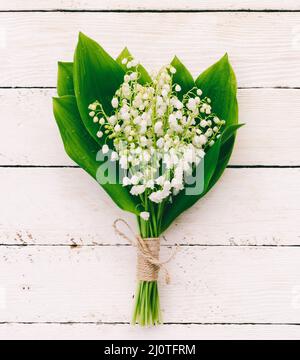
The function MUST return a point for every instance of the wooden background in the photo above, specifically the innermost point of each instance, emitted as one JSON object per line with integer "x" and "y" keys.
{"x": 63, "y": 272}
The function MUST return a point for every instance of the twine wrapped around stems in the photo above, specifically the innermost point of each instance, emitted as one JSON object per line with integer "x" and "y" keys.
{"x": 148, "y": 264}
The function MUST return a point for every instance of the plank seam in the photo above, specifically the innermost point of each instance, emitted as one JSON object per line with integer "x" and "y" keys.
{"x": 163, "y": 11}
{"x": 165, "y": 324}
{"x": 27, "y": 87}
{"x": 239, "y": 88}
{"x": 263, "y": 166}
{"x": 39, "y": 166}
{"x": 78, "y": 246}
{"x": 4, "y": 166}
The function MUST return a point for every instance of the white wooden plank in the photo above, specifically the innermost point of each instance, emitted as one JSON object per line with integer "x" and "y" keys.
{"x": 166, "y": 332}
{"x": 263, "y": 141}
{"x": 264, "y": 47}
{"x": 210, "y": 285}
{"x": 66, "y": 206}
{"x": 145, "y": 5}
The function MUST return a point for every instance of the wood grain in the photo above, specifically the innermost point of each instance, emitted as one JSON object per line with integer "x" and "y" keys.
{"x": 152, "y": 4}
{"x": 67, "y": 207}
{"x": 166, "y": 332}
{"x": 263, "y": 141}
{"x": 263, "y": 47}
{"x": 64, "y": 273}
{"x": 210, "y": 285}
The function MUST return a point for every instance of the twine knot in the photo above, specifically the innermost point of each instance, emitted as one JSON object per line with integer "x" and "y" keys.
{"x": 148, "y": 263}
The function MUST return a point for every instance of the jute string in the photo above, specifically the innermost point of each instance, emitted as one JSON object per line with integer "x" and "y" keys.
{"x": 148, "y": 264}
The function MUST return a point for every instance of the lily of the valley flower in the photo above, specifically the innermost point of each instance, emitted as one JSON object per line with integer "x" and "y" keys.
{"x": 156, "y": 136}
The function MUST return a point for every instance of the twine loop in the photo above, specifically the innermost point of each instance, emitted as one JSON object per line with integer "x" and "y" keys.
{"x": 148, "y": 263}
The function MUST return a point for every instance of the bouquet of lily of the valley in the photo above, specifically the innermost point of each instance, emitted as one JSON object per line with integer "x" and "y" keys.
{"x": 155, "y": 142}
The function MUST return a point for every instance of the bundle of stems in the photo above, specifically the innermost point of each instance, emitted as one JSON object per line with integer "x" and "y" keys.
{"x": 147, "y": 310}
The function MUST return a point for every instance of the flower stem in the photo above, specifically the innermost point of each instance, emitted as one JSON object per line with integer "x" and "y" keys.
{"x": 147, "y": 306}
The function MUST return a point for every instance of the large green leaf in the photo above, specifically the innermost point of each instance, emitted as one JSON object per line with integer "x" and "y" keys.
{"x": 227, "y": 143}
{"x": 182, "y": 77}
{"x": 216, "y": 156}
{"x": 65, "y": 84}
{"x": 183, "y": 201}
{"x": 145, "y": 77}
{"x": 83, "y": 149}
{"x": 218, "y": 83}
{"x": 230, "y": 131}
{"x": 97, "y": 76}
{"x": 210, "y": 163}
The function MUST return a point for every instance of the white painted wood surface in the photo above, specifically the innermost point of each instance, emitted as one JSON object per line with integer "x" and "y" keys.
{"x": 264, "y": 48}
{"x": 166, "y": 332}
{"x": 261, "y": 109}
{"x": 96, "y": 284}
{"x": 237, "y": 274}
{"x": 66, "y": 206}
{"x": 149, "y": 4}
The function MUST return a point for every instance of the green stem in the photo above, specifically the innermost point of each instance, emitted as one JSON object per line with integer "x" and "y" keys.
{"x": 147, "y": 304}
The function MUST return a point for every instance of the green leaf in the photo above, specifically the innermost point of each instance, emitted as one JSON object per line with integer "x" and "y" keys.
{"x": 230, "y": 131}
{"x": 82, "y": 149}
{"x": 182, "y": 77}
{"x": 210, "y": 163}
{"x": 65, "y": 84}
{"x": 183, "y": 201}
{"x": 224, "y": 157}
{"x": 218, "y": 82}
{"x": 145, "y": 77}
{"x": 225, "y": 151}
{"x": 97, "y": 76}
